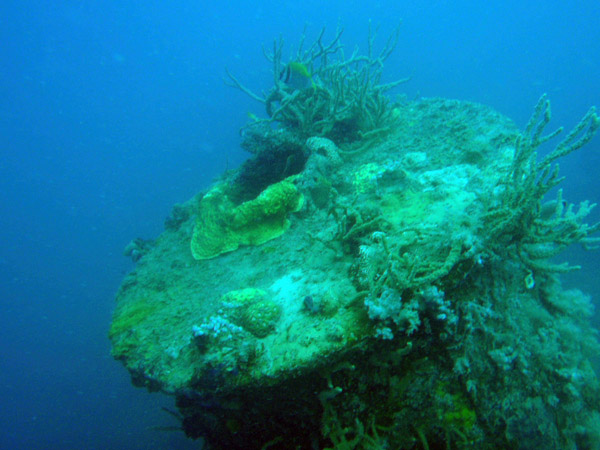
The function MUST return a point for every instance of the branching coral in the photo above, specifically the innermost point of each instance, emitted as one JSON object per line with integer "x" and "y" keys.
{"x": 346, "y": 98}
{"x": 519, "y": 222}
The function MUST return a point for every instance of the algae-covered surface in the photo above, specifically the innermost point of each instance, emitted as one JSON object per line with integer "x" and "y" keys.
{"x": 381, "y": 283}
{"x": 386, "y": 307}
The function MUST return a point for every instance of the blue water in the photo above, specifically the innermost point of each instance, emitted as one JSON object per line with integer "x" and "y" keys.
{"x": 111, "y": 112}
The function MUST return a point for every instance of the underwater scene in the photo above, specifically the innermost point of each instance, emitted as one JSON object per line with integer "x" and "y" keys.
{"x": 284, "y": 226}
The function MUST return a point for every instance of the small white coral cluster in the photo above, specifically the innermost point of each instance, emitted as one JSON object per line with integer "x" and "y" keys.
{"x": 405, "y": 315}
{"x": 435, "y": 301}
{"x": 389, "y": 308}
{"x": 216, "y": 328}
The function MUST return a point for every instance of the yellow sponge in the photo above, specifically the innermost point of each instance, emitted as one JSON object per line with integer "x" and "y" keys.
{"x": 222, "y": 227}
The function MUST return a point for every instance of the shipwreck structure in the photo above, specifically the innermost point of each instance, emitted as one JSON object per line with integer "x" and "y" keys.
{"x": 378, "y": 274}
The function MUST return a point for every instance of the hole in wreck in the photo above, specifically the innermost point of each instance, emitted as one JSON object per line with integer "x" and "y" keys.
{"x": 269, "y": 165}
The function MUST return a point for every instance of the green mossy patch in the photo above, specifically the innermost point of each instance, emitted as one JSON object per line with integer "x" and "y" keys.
{"x": 130, "y": 315}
